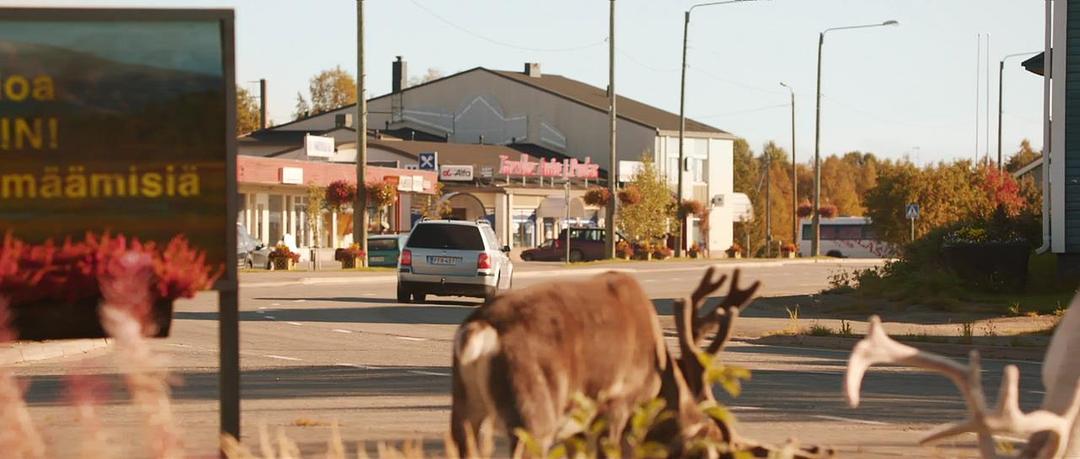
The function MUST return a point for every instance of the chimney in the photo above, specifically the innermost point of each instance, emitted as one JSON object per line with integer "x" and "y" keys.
{"x": 264, "y": 121}
{"x": 400, "y": 75}
{"x": 532, "y": 69}
{"x": 343, "y": 120}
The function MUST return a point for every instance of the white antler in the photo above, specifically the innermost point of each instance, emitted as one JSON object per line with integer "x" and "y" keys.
{"x": 1006, "y": 418}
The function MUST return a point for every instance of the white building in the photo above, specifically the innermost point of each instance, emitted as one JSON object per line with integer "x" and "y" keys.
{"x": 531, "y": 110}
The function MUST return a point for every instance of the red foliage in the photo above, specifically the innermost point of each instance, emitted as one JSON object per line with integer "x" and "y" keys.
{"x": 597, "y": 196}
{"x": 1003, "y": 190}
{"x": 630, "y": 195}
{"x": 827, "y": 211}
{"x": 73, "y": 271}
{"x": 282, "y": 252}
{"x": 805, "y": 209}
{"x": 691, "y": 207}
{"x": 340, "y": 194}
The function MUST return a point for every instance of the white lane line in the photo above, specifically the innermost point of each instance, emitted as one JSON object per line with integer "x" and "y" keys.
{"x": 299, "y": 301}
{"x": 270, "y": 317}
{"x": 281, "y": 357}
{"x": 339, "y": 330}
{"x": 842, "y": 419}
{"x": 295, "y": 323}
{"x": 409, "y": 338}
{"x": 746, "y": 408}
{"x": 275, "y": 304}
{"x": 428, "y": 373}
{"x": 260, "y": 311}
{"x": 1038, "y": 392}
{"x": 178, "y": 345}
{"x": 369, "y": 294}
{"x": 352, "y": 365}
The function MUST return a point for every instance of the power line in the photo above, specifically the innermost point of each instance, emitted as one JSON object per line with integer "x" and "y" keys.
{"x": 502, "y": 43}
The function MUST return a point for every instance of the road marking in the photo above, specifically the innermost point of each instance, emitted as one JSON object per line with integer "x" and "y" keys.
{"x": 260, "y": 311}
{"x": 409, "y": 338}
{"x": 352, "y": 365}
{"x": 270, "y": 317}
{"x": 274, "y": 304}
{"x": 428, "y": 373}
{"x": 1039, "y": 392}
{"x": 299, "y": 301}
{"x": 295, "y": 323}
{"x": 842, "y": 419}
{"x": 178, "y": 345}
{"x": 281, "y": 357}
{"x": 369, "y": 294}
{"x": 338, "y": 330}
{"x": 746, "y": 408}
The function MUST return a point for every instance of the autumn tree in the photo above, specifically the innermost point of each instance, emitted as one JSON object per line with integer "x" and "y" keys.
{"x": 648, "y": 218}
{"x": 1024, "y": 156}
{"x": 432, "y": 74}
{"x": 328, "y": 90}
{"x": 247, "y": 112}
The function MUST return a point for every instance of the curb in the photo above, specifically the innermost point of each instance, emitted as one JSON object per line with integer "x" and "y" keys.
{"x": 956, "y": 350}
{"x": 560, "y": 272}
{"x": 30, "y": 351}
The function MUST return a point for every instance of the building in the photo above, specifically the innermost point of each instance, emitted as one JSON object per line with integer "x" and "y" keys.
{"x": 548, "y": 116}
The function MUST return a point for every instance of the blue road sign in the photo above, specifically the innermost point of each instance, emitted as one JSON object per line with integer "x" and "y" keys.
{"x": 428, "y": 161}
{"x": 912, "y": 211}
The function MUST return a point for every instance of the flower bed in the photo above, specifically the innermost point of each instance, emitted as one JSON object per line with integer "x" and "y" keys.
{"x": 351, "y": 257}
{"x": 282, "y": 258}
{"x": 54, "y": 289}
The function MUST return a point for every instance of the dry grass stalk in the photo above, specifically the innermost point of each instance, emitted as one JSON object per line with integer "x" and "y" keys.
{"x": 127, "y": 302}
{"x": 18, "y": 437}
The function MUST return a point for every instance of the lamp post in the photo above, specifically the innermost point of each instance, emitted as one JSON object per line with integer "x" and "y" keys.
{"x": 815, "y": 246}
{"x": 360, "y": 209}
{"x": 794, "y": 175}
{"x": 1001, "y": 93}
{"x": 682, "y": 113}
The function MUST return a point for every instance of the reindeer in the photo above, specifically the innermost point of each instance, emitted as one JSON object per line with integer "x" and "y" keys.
{"x": 1053, "y": 431}
{"x": 519, "y": 360}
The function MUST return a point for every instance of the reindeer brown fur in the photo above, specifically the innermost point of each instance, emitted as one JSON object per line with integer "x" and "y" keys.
{"x": 519, "y": 360}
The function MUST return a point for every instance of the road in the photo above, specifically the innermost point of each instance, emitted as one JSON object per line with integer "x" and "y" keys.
{"x": 315, "y": 353}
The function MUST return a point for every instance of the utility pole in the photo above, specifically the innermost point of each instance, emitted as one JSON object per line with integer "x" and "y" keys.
{"x": 1001, "y": 95}
{"x": 682, "y": 130}
{"x": 360, "y": 209}
{"x": 768, "y": 205}
{"x": 815, "y": 243}
{"x": 613, "y": 162}
{"x": 794, "y": 174}
{"x": 264, "y": 120}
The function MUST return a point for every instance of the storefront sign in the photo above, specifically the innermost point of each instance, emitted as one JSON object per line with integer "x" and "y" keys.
{"x": 428, "y": 161}
{"x": 568, "y": 168}
{"x": 292, "y": 175}
{"x": 405, "y": 183}
{"x": 419, "y": 184}
{"x": 456, "y": 173}
{"x": 318, "y": 147}
{"x": 487, "y": 172}
{"x": 120, "y": 123}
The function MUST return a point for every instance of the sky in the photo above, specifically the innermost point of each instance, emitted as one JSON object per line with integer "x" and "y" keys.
{"x": 898, "y": 91}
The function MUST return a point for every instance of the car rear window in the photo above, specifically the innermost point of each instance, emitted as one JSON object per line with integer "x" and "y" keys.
{"x": 443, "y": 236}
{"x": 382, "y": 244}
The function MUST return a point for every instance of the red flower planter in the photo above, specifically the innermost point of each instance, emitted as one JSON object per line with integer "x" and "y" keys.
{"x": 49, "y": 320}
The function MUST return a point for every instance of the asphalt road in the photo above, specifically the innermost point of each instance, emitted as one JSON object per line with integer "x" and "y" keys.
{"x": 348, "y": 352}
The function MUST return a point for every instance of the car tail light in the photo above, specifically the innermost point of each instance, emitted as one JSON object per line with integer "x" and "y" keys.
{"x": 483, "y": 261}
{"x": 558, "y": 243}
{"x": 406, "y": 257}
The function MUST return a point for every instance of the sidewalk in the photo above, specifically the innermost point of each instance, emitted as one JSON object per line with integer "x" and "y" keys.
{"x": 29, "y": 351}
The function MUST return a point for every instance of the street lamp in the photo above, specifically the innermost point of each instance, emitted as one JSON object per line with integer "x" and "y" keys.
{"x": 1001, "y": 93}
{"x": 816, "y": 242}
{"x": 682, "y": 113}
{"x": 794, "y": 175}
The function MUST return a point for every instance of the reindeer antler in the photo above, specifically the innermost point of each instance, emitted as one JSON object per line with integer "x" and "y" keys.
{"x": 692, "y": 327}
{"x": 1006, "y": 418}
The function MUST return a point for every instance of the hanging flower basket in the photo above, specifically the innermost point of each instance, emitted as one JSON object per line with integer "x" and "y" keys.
{"x": 340, "y": 195}
{"x": 597, "y": 196}
{"x": 381, "y": 194}
{"x": 54, "y": 290}
{"x": 630, "y": 195}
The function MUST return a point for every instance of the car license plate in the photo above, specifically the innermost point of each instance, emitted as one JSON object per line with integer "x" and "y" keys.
{"x": 443, "y": 260}
{"x": 378, "y": 258}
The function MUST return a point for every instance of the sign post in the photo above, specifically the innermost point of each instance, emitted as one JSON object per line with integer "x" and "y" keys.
{"x": 566, "y": 218}
{"x": 139, "y": 141}
{"x": 912, "y": 213}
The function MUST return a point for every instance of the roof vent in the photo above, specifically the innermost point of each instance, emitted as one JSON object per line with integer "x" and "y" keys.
{"x": 532, "y": 69}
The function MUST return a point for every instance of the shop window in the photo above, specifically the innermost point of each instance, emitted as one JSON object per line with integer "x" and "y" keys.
{"x": 523, "y": 228}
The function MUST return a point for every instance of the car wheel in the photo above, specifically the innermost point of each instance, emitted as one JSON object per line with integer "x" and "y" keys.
{"x": 576, "y": 256}
{"x": 419, "y": 297}
{"x": 490, "y": 293}
{"x": 834, "y": 254}
{"x": 403, "y": 295}
{"x": 526, "y": 257}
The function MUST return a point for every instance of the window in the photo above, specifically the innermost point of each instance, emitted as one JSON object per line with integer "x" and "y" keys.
{"x": 698, "y": 170}
{"x": 382, "y": 243}
{"x": 839, "y": 232}
{"x": 446, "y": 236}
